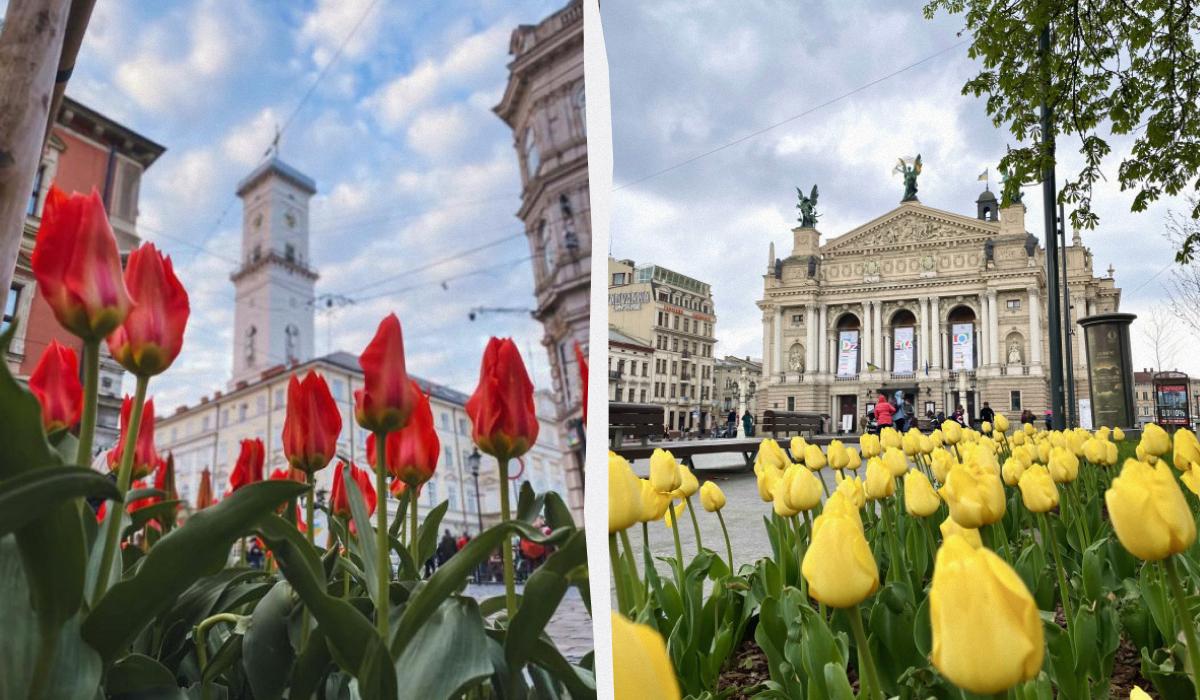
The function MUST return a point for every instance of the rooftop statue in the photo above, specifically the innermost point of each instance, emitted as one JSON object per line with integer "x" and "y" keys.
{"x": 910, "y": 168}
{"x": 808, "y": 208}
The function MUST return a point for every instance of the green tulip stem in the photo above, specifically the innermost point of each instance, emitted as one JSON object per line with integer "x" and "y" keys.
{"x": 506, "y": 551}
{"x": 618, "y": 572}
{"x": 632, "y": 564}
{"x": 383, "y": 562}
{"x": 124, "y": 476}
{"x": 1048, "y": 535}
{"x": 894, "y": 563}
{"x": 728, "y": 546}
{"x": 1186, "y": 622}
{"x": 199, "y": 635}
{"x": 678, "y": 568}
{"x": 91, "y": 381}
{"x": 647, "y": 559}
{"x": 866, "y": 663}
{"x": 695, "y": 525}
{"x": 414, "y": 539}
{"x": 824, "y": 484}
{"x": 309, "y": 516}
{"x": 800, "y": 582}
{"x": 933, "y": 546}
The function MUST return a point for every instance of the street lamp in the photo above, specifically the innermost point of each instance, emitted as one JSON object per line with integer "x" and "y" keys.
{"x": 473, "y": 460}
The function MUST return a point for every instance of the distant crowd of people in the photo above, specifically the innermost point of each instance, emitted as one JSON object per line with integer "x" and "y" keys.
{"x": 897, "y": 412}
{"x": 527, "y": 556}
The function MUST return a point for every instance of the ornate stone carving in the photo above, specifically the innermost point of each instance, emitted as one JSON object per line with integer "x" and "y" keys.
{"x": 796, "y": 358}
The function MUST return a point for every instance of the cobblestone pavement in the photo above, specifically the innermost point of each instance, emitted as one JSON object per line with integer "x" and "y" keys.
{"x": 743, "y": 513}
{"x": 570, "y": 628}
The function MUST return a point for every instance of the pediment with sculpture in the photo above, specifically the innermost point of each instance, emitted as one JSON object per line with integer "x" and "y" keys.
{"x": 912, "y": 225}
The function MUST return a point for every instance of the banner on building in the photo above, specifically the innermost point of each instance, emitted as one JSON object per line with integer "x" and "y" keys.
{"x": 902, "y": 357}
{"x": 1085, "y": 414}
{"x": 847, "y": 365}
{"x": 962, "y": 346}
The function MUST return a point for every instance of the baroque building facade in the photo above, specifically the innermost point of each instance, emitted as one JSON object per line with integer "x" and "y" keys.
{"x": 544, "y": 105}
{"x": 947, "y": 309}
{"x": 673, "y": 315}
{"x": 737, "y": 380}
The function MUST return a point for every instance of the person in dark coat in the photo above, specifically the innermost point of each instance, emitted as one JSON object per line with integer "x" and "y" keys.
{"x": 445, "y": 548}
{"x": 986, "y": 413}
{"x": 748, "y": 424}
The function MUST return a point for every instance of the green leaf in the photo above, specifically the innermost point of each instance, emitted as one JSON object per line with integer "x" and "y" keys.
{"x": 428, "y": 532}
{"x": 52, "y": 546}
{"x": 138, "y": 675}
{"x": 227, "y": 656}
{"x": 837, "y": 683}
{"x": 580, "y": 683}
{"x": 267, "y": 654}
{"x": 163, "y": 510}
{"x": 447, "y": 655}
{"x": 354, "y": 643}
{"x": 199, "y": 548}
{"x": 543, "y": 592}
{"x": 363, "y": 545}
{"x": 26, "y": 496}
{"x": 311, "y": 667}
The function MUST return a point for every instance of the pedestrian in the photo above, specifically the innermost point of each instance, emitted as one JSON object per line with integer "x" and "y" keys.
{"x": 462, "y": 541}
{"x": 431, "y": 565}
{"x": 1049, "y": 419}
{"x": 884, "y": 412}
{"x": 445, "y": 548}
{"x": 748, "y": 424}
{"x": 986, "y": 413}
{"x": 959, "y": 416}
{"x": 900, "y": 418}
{"x": 731, "y": 421}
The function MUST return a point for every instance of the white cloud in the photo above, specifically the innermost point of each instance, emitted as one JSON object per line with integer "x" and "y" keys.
{"x": 329, "y": 24}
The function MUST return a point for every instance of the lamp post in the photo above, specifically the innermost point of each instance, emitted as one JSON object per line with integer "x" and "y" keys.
{"x": 473, "y": 460}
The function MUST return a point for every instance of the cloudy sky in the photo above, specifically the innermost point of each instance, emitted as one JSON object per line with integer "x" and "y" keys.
{"x": 689, "y": 76}
{"x": 411, "y": 164}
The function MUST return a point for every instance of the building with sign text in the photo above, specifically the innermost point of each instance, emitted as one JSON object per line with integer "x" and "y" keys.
{"x": 672, "y": 314}
{"x": 945, "y": 308}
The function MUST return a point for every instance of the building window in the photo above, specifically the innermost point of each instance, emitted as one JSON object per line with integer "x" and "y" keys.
{"x": 643, "y": 399}
{"x": 449, "y": 456}
{"x": 10, "y": 307}
{"x": 204, "y": 424}
{"x": 617, "y": 394}
{"x": 261, "y": 405}
{"x": 242, "y": 412}
{"x": 339, "y": 387}
{"x": 1014, "y": 304}
{"x": 278, "y": 399}
{"x": 533, "y": 160}
{"x": 463, "y": 427}
{"x": 248, "y": 346}
{"x": 1014, "y": 401}
{"x": 289, "y": 252}
{"x": 791, "y": 403}
{"x": 125, "y": 190}
{"x": 618, "y": 279}
{"x": 32, "y": 208}
{"x": 797, "y": 319}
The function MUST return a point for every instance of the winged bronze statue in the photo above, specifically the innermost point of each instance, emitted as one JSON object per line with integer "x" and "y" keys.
{"x": 808, "y": 208}
{"x": 910, "y": 173}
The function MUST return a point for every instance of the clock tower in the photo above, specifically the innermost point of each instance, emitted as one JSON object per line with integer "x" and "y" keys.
{"x": 273, "y": 315}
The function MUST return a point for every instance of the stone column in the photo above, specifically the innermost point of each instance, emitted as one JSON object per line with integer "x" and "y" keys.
{"x": 822, "y": 343}
{"x": 866, "y": 327}
{"x": 766, "y": 366}
{"x": 877, "y": 335}
{"x": 810, "y": 351}
{"x": 1035, "y": 328}
{"x": 994, "y": 328}
{"x": 777, "y": 367}
{"x": 935, "y": 333}
{"x": 985, "y": 326}
{"x": 889, "y": 351}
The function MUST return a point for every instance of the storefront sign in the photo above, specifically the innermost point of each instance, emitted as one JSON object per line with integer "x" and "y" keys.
{"x": 628, "y": 301}
{"x": 847, "y": 365}
{"x": 902, "y": 348}
{"x": 1171, "y": 399}
{"x": 962, "y": 346}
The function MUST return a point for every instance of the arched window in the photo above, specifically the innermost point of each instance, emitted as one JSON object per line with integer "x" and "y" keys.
{"x": 546, "y": 243}
{"x": 904, "y": 348}
{"x": 848, "y": 343}
{"x": 963, "y": 350}
{"x": 533, "y": 159}
{"x": 248, "y": 348}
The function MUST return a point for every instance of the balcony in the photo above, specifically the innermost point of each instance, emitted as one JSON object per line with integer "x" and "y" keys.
{"x": 850, "y": 378}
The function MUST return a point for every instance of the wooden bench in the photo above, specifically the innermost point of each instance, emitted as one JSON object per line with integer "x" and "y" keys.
{"x": 684, "y": 450}
{"x": 788, "y": 423}
{"x": 640, "y": 421}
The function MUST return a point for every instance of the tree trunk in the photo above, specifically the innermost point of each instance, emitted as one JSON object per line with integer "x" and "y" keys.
{"x": 30, "y": 47}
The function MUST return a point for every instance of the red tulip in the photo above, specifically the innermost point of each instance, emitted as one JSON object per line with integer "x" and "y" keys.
{"x": 152, "y": 335}
{"x": 504, "y": 424}
{"x": 398, "y": 487}
{"x": 583, "y": 374}
{"x": 204, "y": 496}
{"x": 289, "y": 473}
{"x": 531, "y": 549}
{"x": 412, "y": 452}
{"x": 386, "y": 399}
{"x": 77, "y": 266}
{"x": 55, "y": 383}
{"x": 141, "y": 502}
{"x": 339, "y": 498}
{"x": 249, "y": 466}
{"x": 145, "y": 458}
{"x": 312, "y": 425}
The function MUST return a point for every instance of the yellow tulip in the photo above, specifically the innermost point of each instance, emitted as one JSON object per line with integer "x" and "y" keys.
{"x": 1076, "y": 440}
{"x": 1001, "y": 423}
{"x": 920, "y": 500}
{"x": 911, "y": 442}
{"x": 1155, "y": 440}
{"x": 868, "y": 444}
{"x": 654, "y": 504}
{"x": 880, "y": 482}
{"x": 1138, "y": 694}
{"x": 1018, "y": 439}
{"x": 1094, "y": 450}
{"x": 838, "y": 565}
{"x": 779, "y": 493}
{"x": 1028, "y": 428}
{"x": 641, "y": 666}
{"x": 1103, "y": 432}
{"x": 1043, "y": 452}
{"x": 804, "y": 490}
{"x": 986, "y": 428}
{"x": 975, "y": 496}
{"x": 841, "y": 505}
{"x": 1118, "y": 435}
{"x": 1012, "y": 470}
{"x": 664, "y": 471}
{"x": 624, "y": 495}
{"x": 1110, "y": 454}
{"x": 942, "y": 462}
{"x": 797, "y": 447}
{"x": 1038, "y": 491}
{"x": 836, "y": 453}
{"x": 688, "y": 483}
{"x": 889, "y": 437}
{"x": 951, "y": 432}
{"x": 1191, "y": 479}
{"x": 1149, "y": 512}
{"x": 1064, "y": 465}
{"x": 936, "y": 437}
{"x": 895, "y": 461}
{"x": 1024, "y": 455}
{"x": 770, "y": 454}
{"x": 852, "y": 488}
{"x": 970, "y": 534}
{"x": 987, "y": 632}
{"x": 767, "y": 476}
{"x": 1187, "y": 449}
{"x": 853, "y": 459}
{"x": 712, "y": 498}
{"x": 814, "y": 459}
{"x": 926, "y": 445}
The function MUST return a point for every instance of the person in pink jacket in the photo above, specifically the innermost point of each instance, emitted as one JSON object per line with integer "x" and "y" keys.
{"x": 884, "y": 411}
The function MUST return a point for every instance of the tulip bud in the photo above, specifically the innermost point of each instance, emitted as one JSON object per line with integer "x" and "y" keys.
{"x": 770, "y": 454}
{"x": 1011, "y": 471}
{"x": 942, "y": 462}
{"x": 665, "y": 476}
{"x": 412, "y": 452}
{"x": 880, "y": 482}
{"x": 312, "y": 424}
{"x": 249, "y": 466}
{"x": 868, "y": 444}
{"x": 1155, "y": 440}
{"x": 1110, "y": 454}
{"x": 501, "y": 409}
{"x": 1018, "y": 438}
{"x": 339, "y": 496}
{"x": 1028, "y": 428}
{"x": 1064, "y": 465}
{"x": 814, "y": 459}
{"x": 841, "y": 505}
{"x": 624, "y": 495}
{"x": 1187, "y": 449}
{"x": 949, "y": 528}
{"x": 1043, "y": 452}
{"x": 1001, "y": 423}
{"x": 654, "y": 504}
{"x": 1038, "y": 491}
{"x": 766, "y": 478}
{"x": 688, "y": 483}
{"x": 973, "y": 590}
{"x": 920, "y": 500}
{"x": 838, "y": 566}
{"x": 911, "y": 442}
{"x": 55, "y": 383}
{"x": 852, "y": 489}
{"x": 151, "y": 336}
{"x": 803, "y": 490}
{"x": 1148, "y": 511}
{"x": 712, "y": 498}
{"x": 937, "y": 437}
{"x": 836, "y": 454}
{"x": 951, "y": 432}
{"x": 1191, "y": 479}
{"x": 975, "y": 496}
{"x": 780, "y": 490}
{"x": 926, "y": 445}
{"x": 145, "y": 458}
{"x": 797, "y": 446}
{"x": 77, "y": 266}
{"x": 889, "y": 437}
{"x": 895, "y": 461}
{"x": 1118, "y": 435}
{"x": 641, "y": 666}
{"x": 986, "y": 428}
